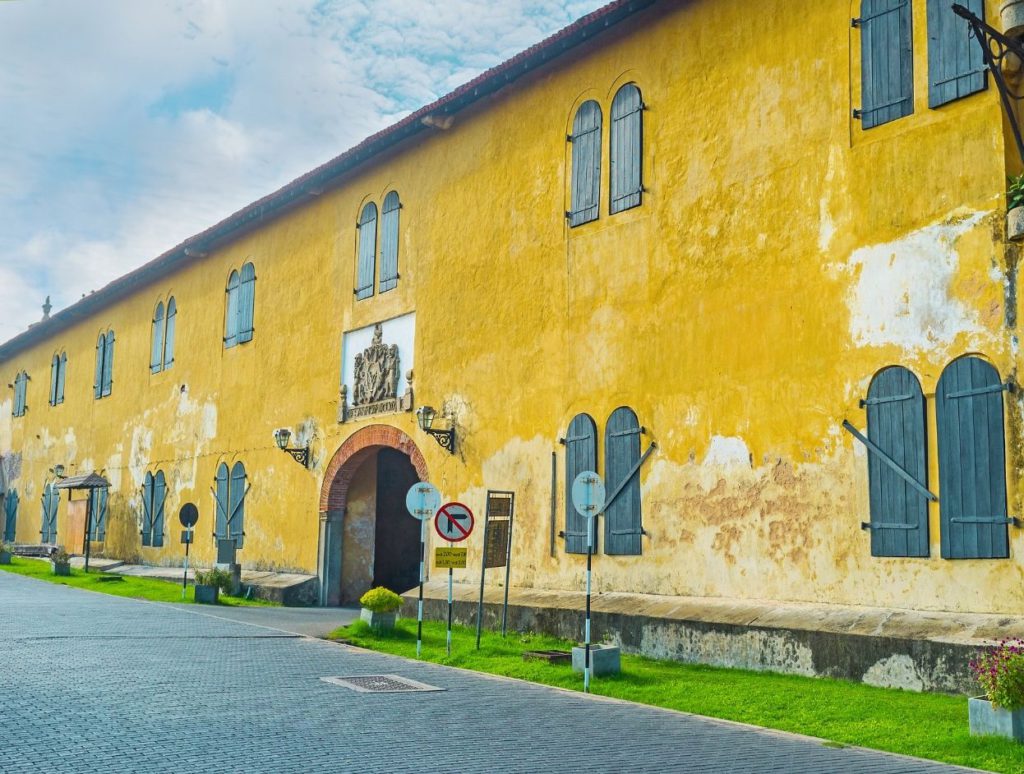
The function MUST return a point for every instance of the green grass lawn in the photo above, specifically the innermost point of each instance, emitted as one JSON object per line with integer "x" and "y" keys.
{"x": 925, "y": 725}
{"x": 118, "y": 585}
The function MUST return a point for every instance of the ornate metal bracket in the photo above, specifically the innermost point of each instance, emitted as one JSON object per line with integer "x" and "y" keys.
{"x": 300, "y": 455}
{"x": 444, "y": 438}
{"x": 995, "y": 47}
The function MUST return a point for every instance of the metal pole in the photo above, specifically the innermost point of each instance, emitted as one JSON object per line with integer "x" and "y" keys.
{"x": 483, "y": 571}
{"x": 88, "y": 527}
{"x": 423, "y": 577}
{"x": 586, "y": 655}
{"x": 448, "y": 636}
{"x": 184, "y": 577}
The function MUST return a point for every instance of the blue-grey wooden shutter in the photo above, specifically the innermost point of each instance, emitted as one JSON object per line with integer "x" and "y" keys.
{"x": 972, "y": 463}
{"x": 62, "y": 374}
{"x": 11, "y": 515}
{"x": 156, "y": 357}
{"x": 23, "y": 399}
{"x": 148, "y": 491}
{"x": 51, "y": 500}
{"x": 956, "y": 65}
{"x": 626, "y": 149}
{"x": 622, "y": 519}
{"x": 231, "y": 312}
{"x": 886, "y": 61}
{"x": 580, "y": 455}
{"x": 367, "y": 229}
{"x": 236, "y": 505}
{"x": 172, "y": 316}
{"x": 101, "y": 347}
{"x": 246, "y": 303}
{"x": 896, "y": 424}
{"x": 108, "y": 364}
{"x": 54, "y": 375}
{"x": 159, "y": 500}
{"x": 98, "y": 505}
{"x": 221, "y": 528}
{"x": 389, "y": 242}
{"x": 585, "y": 189}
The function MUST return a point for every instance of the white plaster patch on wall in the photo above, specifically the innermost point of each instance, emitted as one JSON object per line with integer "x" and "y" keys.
{"x": 138, "y": 461}
{"x": 826, "y": 226}
{"x": 902, "y": 297}
{"x": 896, "y": 671}
{"x": 727, "y": 452}
{"x": 113, "y": 471}
{"x": 692, "y": 417}
{"x": 6, "y": 431}
{"x": 208, "y": 427}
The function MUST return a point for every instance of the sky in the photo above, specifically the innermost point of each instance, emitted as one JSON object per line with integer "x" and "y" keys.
{"x": 126, "y": 127}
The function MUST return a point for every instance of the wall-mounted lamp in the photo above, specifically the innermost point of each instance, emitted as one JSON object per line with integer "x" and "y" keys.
{"x": 58, "y": 471}
{"x": 301, "y": 454}
{"x": 446, "y": 438}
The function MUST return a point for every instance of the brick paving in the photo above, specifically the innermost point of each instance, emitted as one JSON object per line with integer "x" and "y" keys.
{"x": 97, "y": 683}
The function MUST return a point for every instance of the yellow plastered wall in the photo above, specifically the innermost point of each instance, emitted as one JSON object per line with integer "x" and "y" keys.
{"x": 780, "y": 258}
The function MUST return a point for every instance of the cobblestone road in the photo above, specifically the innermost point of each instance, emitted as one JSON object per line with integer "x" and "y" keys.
{"x": 97, "y": 683}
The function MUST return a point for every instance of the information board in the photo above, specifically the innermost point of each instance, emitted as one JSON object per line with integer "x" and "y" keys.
{"x": 450, "y": 558}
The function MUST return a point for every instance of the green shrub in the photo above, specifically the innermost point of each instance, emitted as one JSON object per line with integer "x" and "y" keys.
{"x": 60, "y": 557}
{"x": 1000, "y": 670}
{"x": 1015, "y": 192}
{"x": 381, "y": 600}
{"x": 6, "y": 548}
{"x": 215, "y": 576}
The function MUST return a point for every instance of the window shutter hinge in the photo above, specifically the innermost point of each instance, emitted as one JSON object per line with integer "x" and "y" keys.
{"x": 568, "y": 138}
{"x": 568, "y": 214}
{"x": 855, "y": 23}
{"x": 562, "y": 440}
{"x": 864, "y": 525}
{"x": 561, "y": 535}
{"x": 858, "y": 113}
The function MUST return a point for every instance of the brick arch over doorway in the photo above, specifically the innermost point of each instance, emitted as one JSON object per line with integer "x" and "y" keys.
{"x": 356, "y": 448}
{"x": 338, "y": 477}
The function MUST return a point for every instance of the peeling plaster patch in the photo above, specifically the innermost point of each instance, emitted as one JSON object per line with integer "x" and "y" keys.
{"x": 208, "y": 428}
{"x": 114, "y": 471}
{"x": 826, "y": 227}
{"x": 896, "y": 671}
{"x": 727, "y": 452}
{"x": 138, "y": 461}
{"x": 6, "y": 430}
{"x": 692, "y": 417}
{"x": 902, "y": 295}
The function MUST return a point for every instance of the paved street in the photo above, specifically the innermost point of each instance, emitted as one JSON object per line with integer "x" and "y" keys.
{"x": 98, "y": 683}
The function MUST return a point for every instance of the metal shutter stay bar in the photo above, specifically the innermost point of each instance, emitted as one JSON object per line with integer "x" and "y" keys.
{"x": 622, "y": 484}
{"x": 859, "y": 113}
{"x": 957, "y": 77}
{"x": 874, "y": 448}
{"x": 860, "y": 21}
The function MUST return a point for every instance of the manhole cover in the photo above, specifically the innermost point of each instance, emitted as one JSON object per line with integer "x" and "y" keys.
{"x": 380, "y": 684}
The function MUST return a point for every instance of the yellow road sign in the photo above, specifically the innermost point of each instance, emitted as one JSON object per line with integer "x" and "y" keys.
{"x": 450, "y": 558}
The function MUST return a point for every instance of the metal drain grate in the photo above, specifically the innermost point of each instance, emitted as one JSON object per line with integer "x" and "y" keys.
{"x": 380, "y": 684}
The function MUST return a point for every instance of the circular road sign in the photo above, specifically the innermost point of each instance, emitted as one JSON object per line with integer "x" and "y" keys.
{"x": 454, "y": 522}
{"x": 422, "y": 500}
{"x": 188, "y": 516}
{"x": 588, "y": 493}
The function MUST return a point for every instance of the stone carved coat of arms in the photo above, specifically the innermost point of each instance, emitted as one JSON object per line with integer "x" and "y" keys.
{"x": 375, "y": 381}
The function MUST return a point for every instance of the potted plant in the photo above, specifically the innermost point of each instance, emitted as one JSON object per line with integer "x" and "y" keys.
{"x": 61, "y": 562}
{"x": 1000, "y": 670}
{"x": 380, "y": 608}
{"x": 6, "y": 552}
{"x": 209, "y": 584}
{"x": 1015, "y": 208}
{"x": 1011, "y": 15}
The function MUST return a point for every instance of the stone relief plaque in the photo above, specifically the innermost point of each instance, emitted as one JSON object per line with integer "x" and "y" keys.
{"x": 375, "y": 382}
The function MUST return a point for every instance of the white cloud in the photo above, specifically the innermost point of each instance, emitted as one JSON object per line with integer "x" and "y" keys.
{"x": 130, "y": 126}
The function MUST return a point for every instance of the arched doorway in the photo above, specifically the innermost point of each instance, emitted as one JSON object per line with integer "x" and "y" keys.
{"x": 366, "y": 536}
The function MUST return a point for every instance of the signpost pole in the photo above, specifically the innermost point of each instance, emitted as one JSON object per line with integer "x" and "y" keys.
{"x": 88, "y": 528}
{"x": 184, "y": 575}
{"x": 448, "y": 636}
{"x": 483, "y": 572}
{"x": 586, "y": 645}
{"x": 423, "y": 577}
{"x": 508, "y": 563}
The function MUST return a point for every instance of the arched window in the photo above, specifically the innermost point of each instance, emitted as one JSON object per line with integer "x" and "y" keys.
{"x": 156, "y": 358}
{"x": 389, "y": 242}
{"x": 231, "y": 490}
{"x": 896, "y": 426}
{"x": 10, "y": 515}
{"x": 585, "y": 193}
{"x": 231, "y": 311}
{"x": 172, "y": 316}
{"x": 626, "y": 149}
{"x": 154, "y": 497}
{"x": 246, "y": 302}
{"x": 972, "y": 461}
{"x": 51, "y": 499}
{"x": 580, "y": 455}
{"x": 98, "y": 514}
{"x": 20, "y": 394}
{"x": 58, "y": 368}
{"x": 622, "y": 519}
{"x": 367, "y": 229}
{"x": 104, "y": 365}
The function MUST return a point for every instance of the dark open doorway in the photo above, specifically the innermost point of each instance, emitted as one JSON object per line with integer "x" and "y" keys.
{"x": 396, "y": 558}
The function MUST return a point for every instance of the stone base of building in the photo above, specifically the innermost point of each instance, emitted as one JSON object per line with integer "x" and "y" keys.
{"x": 918, "y": 651}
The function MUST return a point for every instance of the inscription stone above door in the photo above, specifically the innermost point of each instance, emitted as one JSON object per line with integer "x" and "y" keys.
{"x": 376, "y": 371}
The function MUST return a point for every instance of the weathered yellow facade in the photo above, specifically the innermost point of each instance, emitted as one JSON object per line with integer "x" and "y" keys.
{"x": 782, "y": 256}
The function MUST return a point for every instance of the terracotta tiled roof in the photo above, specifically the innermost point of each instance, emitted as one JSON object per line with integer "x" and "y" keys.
{"x": 316, "y": 181}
